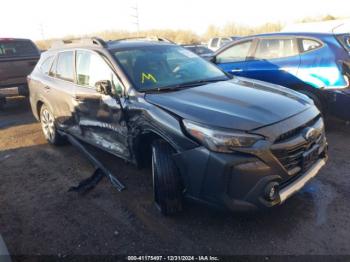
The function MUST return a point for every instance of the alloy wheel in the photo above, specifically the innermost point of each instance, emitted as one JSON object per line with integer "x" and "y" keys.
{"x": 48, "y": 125}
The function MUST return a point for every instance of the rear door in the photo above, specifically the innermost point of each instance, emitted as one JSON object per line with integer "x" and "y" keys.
{"x": 98, "y": 116}
{"x": 275, "y": 60}
{"x": 59, "y": 89}
{"x": 234, "y": 58}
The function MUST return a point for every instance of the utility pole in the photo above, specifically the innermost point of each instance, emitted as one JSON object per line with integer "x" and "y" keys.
{"x": 135, "y": 17}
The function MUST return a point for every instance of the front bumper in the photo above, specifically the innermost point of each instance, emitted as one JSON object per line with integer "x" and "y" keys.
{"x": 299, "y": 183}
{"x": 239, "y": 181}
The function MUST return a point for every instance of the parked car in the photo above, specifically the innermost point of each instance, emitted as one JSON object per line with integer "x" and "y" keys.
{"x": 231, "y": 142}
{"x": 200, "y": 50}
{"x": 316, "y": 64}
{"x": 18, "y": 57}
{"x": 217, "y": 42}
{"x": 234, "y": 38}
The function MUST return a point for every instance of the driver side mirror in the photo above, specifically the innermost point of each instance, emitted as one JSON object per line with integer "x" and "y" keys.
{"x": 104, "y": 87}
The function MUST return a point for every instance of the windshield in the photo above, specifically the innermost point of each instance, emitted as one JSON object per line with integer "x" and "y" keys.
{"x": 157, "y": 67}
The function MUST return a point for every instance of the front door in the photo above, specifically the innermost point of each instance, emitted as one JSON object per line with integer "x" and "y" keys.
{"x": 99, "y": 117}
{"x": 233, "y": 59}
{"x": 276, "y": 60}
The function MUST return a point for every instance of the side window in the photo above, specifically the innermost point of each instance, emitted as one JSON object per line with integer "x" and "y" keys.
{"x": 275, "y": 48}
{"x": 235, "y": 53}
{"x": 83, "y": 68}
{"x": 309, "y": 44}
{"x": 64, "y": 67}
{"x": 224, "y": 41}
{"x": 91, "y": 68}
{"x": 52, "y": 71}
{"x": 214, "y": 42}
{"x": 46, "y": 65}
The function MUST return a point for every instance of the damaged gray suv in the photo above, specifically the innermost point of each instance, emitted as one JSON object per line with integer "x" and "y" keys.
{"x": 234, "y": 142}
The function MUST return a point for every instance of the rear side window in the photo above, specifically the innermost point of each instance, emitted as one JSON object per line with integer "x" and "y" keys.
{"x": 13, "y": 48}
{"x": 235, "y": 53}
{"x": 64, "y": 67}
{"x": 46, "y": 64}
{"x": 275, "y": 48}
{"x": 309, "y": 44}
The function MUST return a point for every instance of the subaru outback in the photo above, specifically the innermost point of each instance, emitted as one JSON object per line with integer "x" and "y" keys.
{"x": 231, "y": 142}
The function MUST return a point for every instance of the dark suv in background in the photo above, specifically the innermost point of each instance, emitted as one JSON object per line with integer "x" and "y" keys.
{"x": 232, "y": 142}
{"x": 18, "y": 58}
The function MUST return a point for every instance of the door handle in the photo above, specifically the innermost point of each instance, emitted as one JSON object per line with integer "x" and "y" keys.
{"x": 236, "y": 70}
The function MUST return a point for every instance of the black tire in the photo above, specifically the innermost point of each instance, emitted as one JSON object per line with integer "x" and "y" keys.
{"x": 166, "y": 179}
{"x": 48, "y": 126}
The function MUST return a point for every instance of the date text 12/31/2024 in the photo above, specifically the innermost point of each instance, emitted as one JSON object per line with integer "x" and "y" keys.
{"x": 172, "y": 258}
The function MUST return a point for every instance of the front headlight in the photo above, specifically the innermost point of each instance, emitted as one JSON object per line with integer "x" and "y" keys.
{"x": 220, "y": 140}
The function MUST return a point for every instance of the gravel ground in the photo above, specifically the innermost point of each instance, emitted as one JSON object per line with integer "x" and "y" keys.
{"x": 39, "y": 216}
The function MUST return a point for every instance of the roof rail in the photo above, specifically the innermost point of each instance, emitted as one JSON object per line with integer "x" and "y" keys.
{"x": 78, "y": 41}
{"x": 146, "y": 38}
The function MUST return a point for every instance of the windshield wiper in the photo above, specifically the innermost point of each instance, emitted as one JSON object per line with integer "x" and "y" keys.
{"x": 184, "y": 85}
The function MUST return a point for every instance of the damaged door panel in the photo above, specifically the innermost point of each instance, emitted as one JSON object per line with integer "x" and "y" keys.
{"x": 99, "y": 117}
{"x": 100, "y": 170}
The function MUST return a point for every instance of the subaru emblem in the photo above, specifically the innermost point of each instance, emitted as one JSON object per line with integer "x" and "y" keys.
{"x": 311, "y": 134}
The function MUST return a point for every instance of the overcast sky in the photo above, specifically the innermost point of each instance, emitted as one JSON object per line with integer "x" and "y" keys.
{"x": 56, "y": 18}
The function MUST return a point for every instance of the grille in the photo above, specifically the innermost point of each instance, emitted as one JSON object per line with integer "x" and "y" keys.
{"x": 291, "y": 156}
{"x": 296, "y": 131}
{"x": 292, "y": 159}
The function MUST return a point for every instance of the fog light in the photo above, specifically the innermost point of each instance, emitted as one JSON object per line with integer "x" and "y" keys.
{"x": 271, "y": 191}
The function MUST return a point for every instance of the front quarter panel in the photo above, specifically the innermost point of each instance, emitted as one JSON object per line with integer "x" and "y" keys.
{"x": 144, "y": 117}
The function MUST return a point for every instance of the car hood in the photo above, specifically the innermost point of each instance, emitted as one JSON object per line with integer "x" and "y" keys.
{"x": 240, "y": 103}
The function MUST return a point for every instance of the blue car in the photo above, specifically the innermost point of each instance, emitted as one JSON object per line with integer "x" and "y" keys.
{"x": 316, "y": 64}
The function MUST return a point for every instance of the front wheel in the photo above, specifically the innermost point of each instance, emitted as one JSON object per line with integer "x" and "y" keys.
{"x": 166, "y": 179}
{"x": 48, "y": 126}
